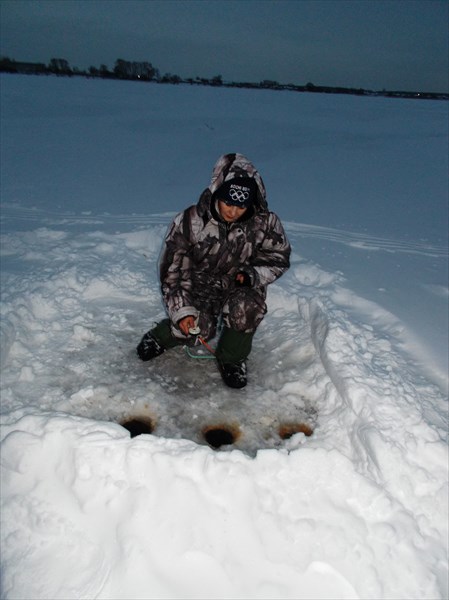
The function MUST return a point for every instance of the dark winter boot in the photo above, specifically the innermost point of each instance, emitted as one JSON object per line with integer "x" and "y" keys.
{"x": 149, "y": 347}
{"x": 232, "y": 351}
{"x": 156, "y": 341}
{"x": 233, "y": 374}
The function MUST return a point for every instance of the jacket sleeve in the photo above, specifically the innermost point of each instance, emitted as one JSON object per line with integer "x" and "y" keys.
{"x": 272, "y": 258}
{"x": 176, "y": 269}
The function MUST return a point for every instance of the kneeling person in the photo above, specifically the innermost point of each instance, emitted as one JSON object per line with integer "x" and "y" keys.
{"x": 219, "y": 256}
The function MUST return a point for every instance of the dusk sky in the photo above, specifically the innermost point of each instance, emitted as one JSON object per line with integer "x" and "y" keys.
{"x": 371, "y": 44}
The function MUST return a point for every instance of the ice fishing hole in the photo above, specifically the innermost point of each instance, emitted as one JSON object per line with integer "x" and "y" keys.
{"x": 138, "y": 425}
{"x": 220, "y": 435}
{"x": 286, "y": 430}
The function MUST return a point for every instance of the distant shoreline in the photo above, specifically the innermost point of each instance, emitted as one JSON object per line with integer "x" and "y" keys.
{"x": 146, "y": 73}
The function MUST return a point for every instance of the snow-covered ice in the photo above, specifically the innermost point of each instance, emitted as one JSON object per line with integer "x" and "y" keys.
{"x": 354, "y": 349}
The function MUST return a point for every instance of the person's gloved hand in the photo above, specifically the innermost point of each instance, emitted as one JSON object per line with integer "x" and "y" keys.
{"x": 246, "y": 276}
{"x": 243, "y": 279}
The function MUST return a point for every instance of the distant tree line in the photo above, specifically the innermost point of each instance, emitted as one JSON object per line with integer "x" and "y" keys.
{"x": 145, "y": 71}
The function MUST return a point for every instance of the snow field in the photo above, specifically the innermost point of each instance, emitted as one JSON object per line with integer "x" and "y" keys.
{"x": 358, "y": 509}
{"x": 312, "y": 363}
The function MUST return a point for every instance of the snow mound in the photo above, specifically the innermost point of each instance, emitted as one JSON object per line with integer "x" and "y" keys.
{"x": 77, "y": 489}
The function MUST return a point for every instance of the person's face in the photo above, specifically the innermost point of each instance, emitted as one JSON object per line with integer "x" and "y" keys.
{"x": 229, "y": 212}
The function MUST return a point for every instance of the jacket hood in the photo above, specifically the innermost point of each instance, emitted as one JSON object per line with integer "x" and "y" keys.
{"x": 233, "y": 166}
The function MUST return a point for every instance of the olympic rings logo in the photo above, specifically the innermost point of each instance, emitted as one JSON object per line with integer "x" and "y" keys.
{"x": 239, "y": 195}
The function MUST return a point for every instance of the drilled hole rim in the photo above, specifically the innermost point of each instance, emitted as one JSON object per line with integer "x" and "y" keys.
{"x": 228, "y": 432}
{"x": 287, "y": 430}
{"x": 138, "y": 425}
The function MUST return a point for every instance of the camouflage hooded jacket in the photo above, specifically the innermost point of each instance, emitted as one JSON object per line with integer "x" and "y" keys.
{"x": 203, "y": 253}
